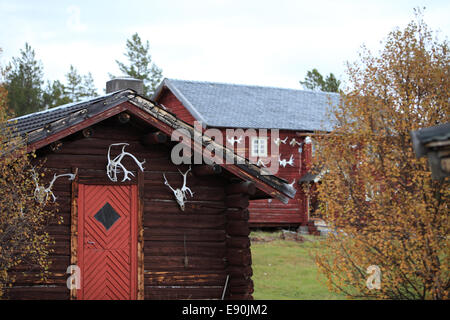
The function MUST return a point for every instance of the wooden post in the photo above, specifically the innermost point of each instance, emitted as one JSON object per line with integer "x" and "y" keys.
{"x": 74, "y": 227}
{"x": 140, "y": 244}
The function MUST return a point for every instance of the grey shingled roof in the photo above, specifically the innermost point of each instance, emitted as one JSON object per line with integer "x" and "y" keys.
{"x": 244, "y": 106}
{"x": 36, "y": 120}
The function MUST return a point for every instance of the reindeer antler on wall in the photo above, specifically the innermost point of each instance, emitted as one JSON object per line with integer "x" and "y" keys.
{"x": 284, "y": 162}
{"x": 278, "y": 141}
{"x": 41, "y": 193}
{"x": 233, "y": 140}
{"x": 115, "y": 166}
{"x": 180, "y": 193}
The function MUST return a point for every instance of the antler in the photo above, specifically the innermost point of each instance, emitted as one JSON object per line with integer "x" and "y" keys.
{"x": 262, "y": 163}
{"x": 115, "y": 166}
{"x": 167, "y": 183}
{"x": 180, "y": 194}
{"x": 292, "y": 184}
{"x": 35, "y": 177}
{"x": 291, "y": 161}
{"x": 48, "y": 190}
{"x": 278, "y": 141}
{"x": 284, "y": 162}
{"x": 41, "y": 193}
{"x": 184, "y": 188}
{"x": 295, "y": 142}
{"x": 233, "y": 140}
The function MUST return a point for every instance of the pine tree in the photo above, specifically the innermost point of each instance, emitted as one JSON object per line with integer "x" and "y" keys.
{"x": 79, "y": 87}
{"x": 72, "y": 89}
{"x": 24, "y": 83}
{"x": 315, "y": 81}
{"x": 88, "y": 89}
{"x": 140, "y": 64}
{"x": 54, "y": 94}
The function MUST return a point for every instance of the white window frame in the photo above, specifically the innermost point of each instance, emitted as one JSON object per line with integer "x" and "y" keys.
{"x": 261, "y": 144}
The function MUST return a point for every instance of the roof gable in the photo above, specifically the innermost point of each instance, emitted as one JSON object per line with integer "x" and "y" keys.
{"x": 243, "y": 106}
{"x": 43, "y": 128}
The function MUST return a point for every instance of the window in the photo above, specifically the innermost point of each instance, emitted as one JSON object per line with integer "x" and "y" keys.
{"x": 259, "y": 147}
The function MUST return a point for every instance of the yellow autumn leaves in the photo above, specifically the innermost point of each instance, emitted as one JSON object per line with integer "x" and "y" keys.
{"x": 381, "y": 201}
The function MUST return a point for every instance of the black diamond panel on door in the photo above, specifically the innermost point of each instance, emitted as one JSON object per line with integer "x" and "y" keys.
{"x": 107, "y": 216}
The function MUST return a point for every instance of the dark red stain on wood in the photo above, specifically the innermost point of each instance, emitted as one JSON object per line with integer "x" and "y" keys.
{"x": 266, "y": 213}
{"x": 186, "y": 255}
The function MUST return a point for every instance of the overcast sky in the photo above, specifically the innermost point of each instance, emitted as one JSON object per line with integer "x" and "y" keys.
{"x": 258, "y": 42}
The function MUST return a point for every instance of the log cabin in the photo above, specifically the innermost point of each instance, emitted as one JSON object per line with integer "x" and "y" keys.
{"x": 124, "y": 227}
{"x": 296, "y": 114}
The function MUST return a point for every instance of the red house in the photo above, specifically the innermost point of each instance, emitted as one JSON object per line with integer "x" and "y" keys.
{"x": 126, "y": 232}
{"x": 295, "y": 113}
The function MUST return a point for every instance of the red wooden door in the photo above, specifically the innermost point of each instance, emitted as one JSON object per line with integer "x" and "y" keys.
{"x": 107, "y": 242}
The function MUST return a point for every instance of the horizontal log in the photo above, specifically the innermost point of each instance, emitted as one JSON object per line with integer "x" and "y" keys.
{"x": 185, "y": 278}
{"x": 166, "y": 263}
{"x": 189, "y": 250}
{"x": 238, "y": 281}
{"x": 58, "y": 264}
{"x": 238, "y": 296}
{"x": 237, "y": 201}
{"x": 206, "y": 170}
{"x": 242, "y": 289}
{"x": 38, "y": 293}
{"x": 187, "y": 292}
{"x": 100, "y": 146}
{"x": 99, "y": 161}
{"x": 240, "y": 271}
{"x": 238, "y": 228}
{"x": 60, "y": 248}
{"x": 238, "y": 242}
{"x": 239, "y": 257}
{"x": 155, "y": 177}
{"x": 158, "y": 206}
{"x": 58, "y": 229}
{"x": 28, "y": 279}
{"x": 188, "y": 234}
{"x": 163, "y": 192}
{"x": 237, "y": 214}
{"x": 109, "y": 131}
{"x": 185, "y": 221}
{"x": 245, "y": 187}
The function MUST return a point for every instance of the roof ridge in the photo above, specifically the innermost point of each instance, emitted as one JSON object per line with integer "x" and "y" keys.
{"x": 252, "y": 86}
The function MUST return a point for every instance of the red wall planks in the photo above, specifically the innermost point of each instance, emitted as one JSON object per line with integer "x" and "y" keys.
{"x": 267, "y": 213}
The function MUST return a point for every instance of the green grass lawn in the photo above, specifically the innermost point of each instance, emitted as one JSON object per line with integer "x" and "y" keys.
{"x": 285, "y": 269}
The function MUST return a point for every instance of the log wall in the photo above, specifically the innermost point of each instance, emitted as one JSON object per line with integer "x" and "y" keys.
{"x": 187, "y": 255}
